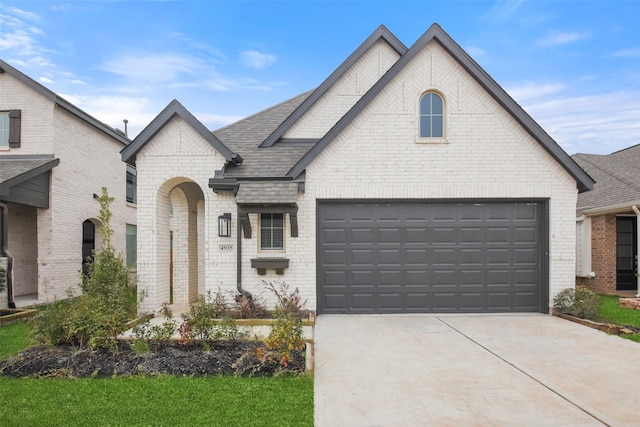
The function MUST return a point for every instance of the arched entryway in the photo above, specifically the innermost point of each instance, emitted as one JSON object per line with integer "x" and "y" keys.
{"x": 179, "y": 243}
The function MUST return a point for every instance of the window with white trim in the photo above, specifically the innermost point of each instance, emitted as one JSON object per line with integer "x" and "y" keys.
{"x": 431, "y": 116}
{"x": 272, "y": 232}
{"x": 4, "y": 129}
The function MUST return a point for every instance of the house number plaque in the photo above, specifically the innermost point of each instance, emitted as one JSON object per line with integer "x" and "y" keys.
{"x": 226, "y": 247}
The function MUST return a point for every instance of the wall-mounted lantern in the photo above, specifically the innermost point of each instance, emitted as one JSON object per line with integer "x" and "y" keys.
{"x": 224, "y": 225}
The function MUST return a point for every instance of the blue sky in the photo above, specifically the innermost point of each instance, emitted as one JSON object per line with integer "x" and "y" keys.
{"x": 573, "y": 65}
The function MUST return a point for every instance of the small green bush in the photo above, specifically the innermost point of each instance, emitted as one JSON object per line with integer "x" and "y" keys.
{"x": 286, "y": 335}
{"x": 96, "y": 317}
{"x": 579, "y": 302}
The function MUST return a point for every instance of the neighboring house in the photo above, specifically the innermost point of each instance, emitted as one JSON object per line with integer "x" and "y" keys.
{"x": 607, "y": 222}
{"x": 54, "y": 160}
{"x": 408, "y": 181}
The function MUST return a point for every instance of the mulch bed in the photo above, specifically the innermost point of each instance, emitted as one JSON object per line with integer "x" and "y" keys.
{"x": 241, "y": 358}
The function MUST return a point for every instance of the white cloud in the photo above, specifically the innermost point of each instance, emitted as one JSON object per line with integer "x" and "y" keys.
{"x": 255, "y": 59}
{"x": 529, "y": 91}
{"x": 596, "y": 124}
{"x": 475, "y": 51}
{"x": 45, "y": 80}
{"x": 29, "y": 16}
{"x": 215, "y": 121}
{"x": 626, "y": 53}
{"x": 20, "y": 37}
{"x": 502, "y": 10}
{"x": 154, "y": 68}
{"x": 113, "y": 109}
{"x": 561, "y": 38}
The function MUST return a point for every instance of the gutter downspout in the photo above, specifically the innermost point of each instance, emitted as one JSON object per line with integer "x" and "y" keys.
{"x": 239, "y": 259}
{"x": 4, "y": 250}
{"x": 637, "y": 211}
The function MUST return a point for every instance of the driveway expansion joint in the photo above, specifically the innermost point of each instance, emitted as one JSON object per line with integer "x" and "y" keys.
{"x": 557, "y": 393}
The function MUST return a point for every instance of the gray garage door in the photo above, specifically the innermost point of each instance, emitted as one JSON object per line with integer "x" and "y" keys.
{"x": 414, "y": 257}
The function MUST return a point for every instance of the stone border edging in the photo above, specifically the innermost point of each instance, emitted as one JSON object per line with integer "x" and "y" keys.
{"x": 604, "y": 327}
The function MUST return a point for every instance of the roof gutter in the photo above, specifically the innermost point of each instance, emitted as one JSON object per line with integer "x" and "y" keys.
{"x": 617, "y": 208}
{"x": 241, "y": 291}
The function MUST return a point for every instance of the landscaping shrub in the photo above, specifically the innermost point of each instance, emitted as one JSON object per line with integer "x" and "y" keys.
{"x": 286, "y": 334}
{"x": 579, "y": 302}
{"x": 96, "y": 317}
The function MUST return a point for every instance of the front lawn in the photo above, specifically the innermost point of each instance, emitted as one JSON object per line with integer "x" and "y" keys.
{"x": 140, "y": 401}
{"x": 160, "y": 400}
{"x": 609, "y": 311}
{"x": 13, "y": 338}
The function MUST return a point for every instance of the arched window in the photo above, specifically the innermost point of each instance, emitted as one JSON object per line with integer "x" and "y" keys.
{"x": 431, "y": 116}
{"x": 88, "y": 244}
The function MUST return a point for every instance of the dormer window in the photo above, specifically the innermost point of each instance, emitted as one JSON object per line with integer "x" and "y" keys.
{"x": 431, "y": 116}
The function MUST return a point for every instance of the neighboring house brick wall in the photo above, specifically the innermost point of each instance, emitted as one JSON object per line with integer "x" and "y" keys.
{"x": 23, "y": 244}
{"x": 603, "y": 255}
{"x": 36, "y": 124}
{"x": 89, "y": 160}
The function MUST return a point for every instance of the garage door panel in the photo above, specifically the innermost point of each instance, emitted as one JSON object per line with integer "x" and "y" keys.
{"x": 390, "y": 278}
{"x": 335, "y": 279}
{"x": 416, "y": 256}
{"x": 362, "y": 257}
{"x": 360, "y": 236}
{"x": 443, "y": 236}
{"x": 360, "y": 278}
{"x": 390, "y": 235}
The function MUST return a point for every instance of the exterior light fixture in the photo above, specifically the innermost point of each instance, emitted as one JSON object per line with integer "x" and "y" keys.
{"x": 224, "y": 225}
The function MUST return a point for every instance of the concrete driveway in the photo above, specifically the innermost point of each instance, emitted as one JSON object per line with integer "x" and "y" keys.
{"x": 472, "y": 370}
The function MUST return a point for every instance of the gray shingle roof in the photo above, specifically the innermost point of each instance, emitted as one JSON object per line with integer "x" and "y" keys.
{"x": 267, "y": 192}
{"x": 245, "y": 136}
{"x": 617, "y": 177}
{"x": 16, "y": 169}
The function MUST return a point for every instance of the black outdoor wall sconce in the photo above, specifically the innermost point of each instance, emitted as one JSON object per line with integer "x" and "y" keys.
{"x": 224, "y": 225}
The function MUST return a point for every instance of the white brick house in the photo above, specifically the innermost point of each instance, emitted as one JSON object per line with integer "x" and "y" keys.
{"x": 53, "y": 159}
{"x": 408, "y": 181}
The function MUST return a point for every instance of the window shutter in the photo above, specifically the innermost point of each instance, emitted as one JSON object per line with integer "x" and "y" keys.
{"x": 14, "y": 128}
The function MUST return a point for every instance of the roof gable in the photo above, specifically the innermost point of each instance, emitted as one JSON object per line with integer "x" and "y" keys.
{"x": 381, "y": 33}
{"x": 175, "y": 108}
{"x": 436, "y": 33}
{"x": 63, "y": 103}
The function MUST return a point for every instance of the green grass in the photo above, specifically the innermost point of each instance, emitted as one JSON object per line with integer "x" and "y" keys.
{"x": 138, "y": 401}
{"x": 150, "y": 401}
{"x": 609, "y": 311}
{"x": 13, "y": 338}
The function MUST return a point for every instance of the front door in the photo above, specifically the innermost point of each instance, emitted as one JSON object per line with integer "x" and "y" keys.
{"x": 626, "y": 253}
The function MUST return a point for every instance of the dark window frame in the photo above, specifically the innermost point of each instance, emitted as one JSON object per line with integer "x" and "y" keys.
{"x": 132, "y": 185}
{"x": 272, "y": 232}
